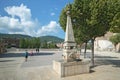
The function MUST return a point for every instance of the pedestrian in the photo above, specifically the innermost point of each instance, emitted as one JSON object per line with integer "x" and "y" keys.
{"x": 26, "y": 55}
{"x": 38, "y": 50}
{"x": 31, "y": 53}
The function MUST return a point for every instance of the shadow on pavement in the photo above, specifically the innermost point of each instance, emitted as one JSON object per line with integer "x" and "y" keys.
{"x": 38, "y": 54}
{"x": 7, "y": 55}
{"x": 92, "y": 71}
{"x": 107, "y": 60}
{"x": 104, "y": 60}
{"x": 6, "y": 60}
{"x": 96, "y": 56}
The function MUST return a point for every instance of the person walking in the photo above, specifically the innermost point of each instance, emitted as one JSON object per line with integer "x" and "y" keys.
{"x": 26, "y": 55}
{"x": 31, "y": 53}
{"x": 38, "y": 50}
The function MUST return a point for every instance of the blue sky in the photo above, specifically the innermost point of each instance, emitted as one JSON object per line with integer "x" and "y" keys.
{"x": 32, "y": 17}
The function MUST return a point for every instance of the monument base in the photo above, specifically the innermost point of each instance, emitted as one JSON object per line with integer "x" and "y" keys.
{"x": 71, "y": 68}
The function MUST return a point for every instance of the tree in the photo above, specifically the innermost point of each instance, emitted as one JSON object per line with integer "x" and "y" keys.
{"x": 44, "y": 44}
{"x": 91, "y": 19}
{"x": 38, "y": 43}
{"x": 22, "y": 43}
{"x": 27, "y": 43}
{"x": 115, "y": 28}
{"x": 115, "y": 24}
{"x": 115, "y": 39}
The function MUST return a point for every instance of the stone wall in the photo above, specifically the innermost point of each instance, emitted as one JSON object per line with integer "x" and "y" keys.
{"x": 71, "y": 68}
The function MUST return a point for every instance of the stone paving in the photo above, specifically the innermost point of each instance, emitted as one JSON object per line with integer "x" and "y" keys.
{"x": 39, "y": 66}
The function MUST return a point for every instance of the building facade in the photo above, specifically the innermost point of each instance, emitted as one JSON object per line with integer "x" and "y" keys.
{"x": 103, "y": 43}
{"x": 11, "y": 42}
{"x": 2, "y": 47}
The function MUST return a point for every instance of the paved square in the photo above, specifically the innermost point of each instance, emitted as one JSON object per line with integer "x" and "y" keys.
{"x": 39, "y": 66}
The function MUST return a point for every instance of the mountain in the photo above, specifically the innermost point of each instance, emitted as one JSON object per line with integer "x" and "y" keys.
{"x": 42, "y": 38}
{"x": 51, "y": 39}
{"x": 14, "y": 36}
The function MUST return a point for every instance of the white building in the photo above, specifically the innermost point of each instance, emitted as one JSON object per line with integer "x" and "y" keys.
{"x": 103, "y": 43}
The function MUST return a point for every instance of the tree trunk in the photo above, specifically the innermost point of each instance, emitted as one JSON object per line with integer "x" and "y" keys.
{"x": 80, "y": 50}
{"x": 115, "y": 47}
{"x": 85, "y": 49}
{"x": 92, "y": 52}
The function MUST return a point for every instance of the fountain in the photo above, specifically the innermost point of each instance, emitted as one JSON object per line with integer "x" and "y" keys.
{"x": 70, "y": 64}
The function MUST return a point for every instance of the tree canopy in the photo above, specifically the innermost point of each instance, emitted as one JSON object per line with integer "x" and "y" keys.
{"x": 115, "y": 24}
{"x": 115, "y": 39}
{"x": 91, "y": 18}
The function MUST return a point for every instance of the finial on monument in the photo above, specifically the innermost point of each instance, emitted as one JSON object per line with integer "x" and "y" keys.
{"x": 68, "y": 13}
{"x": 68, "y": 9}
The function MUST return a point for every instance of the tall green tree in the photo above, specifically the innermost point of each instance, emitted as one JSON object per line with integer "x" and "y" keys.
{"x": 37, "y": 43}
{"x": 91, "y": 19}
{"x": 22, "y": 43}
{"x": 115, "y": 39}
{"x": 115, "y": 24}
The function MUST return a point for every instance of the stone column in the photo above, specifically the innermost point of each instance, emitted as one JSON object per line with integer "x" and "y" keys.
{"x": 69, "y": 46}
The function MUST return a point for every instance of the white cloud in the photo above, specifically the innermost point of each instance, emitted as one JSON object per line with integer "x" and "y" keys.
{"x": 21, "y": 11}
{"x": 20, "y": 21}
{"x": 52, "y": 14}
{"x": 52, "y": 28}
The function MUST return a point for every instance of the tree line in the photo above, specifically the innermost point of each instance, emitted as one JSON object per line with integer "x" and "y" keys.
{"x": 35, "y": 43}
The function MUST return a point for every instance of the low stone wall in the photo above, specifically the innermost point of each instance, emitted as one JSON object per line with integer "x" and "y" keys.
{"x": 71, "y": 68}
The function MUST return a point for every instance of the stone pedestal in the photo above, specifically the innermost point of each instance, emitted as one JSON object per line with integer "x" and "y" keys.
{"x": 71, "y": 68}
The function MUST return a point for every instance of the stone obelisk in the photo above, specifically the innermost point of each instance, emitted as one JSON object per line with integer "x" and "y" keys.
{"x": 70, "y": 65}
{"x": 69, "y": 46}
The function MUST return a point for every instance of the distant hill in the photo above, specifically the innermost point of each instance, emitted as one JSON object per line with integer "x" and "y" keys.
{"x": 13, "y": 36}
{"x": 42, "y": 38}
{"x": 51, "y": 39}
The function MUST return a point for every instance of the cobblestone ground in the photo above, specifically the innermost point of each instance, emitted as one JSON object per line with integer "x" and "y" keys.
{"x": 39, "y": 66}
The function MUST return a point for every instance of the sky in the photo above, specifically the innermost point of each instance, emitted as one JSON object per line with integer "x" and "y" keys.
{"x": 32, "y": 17}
